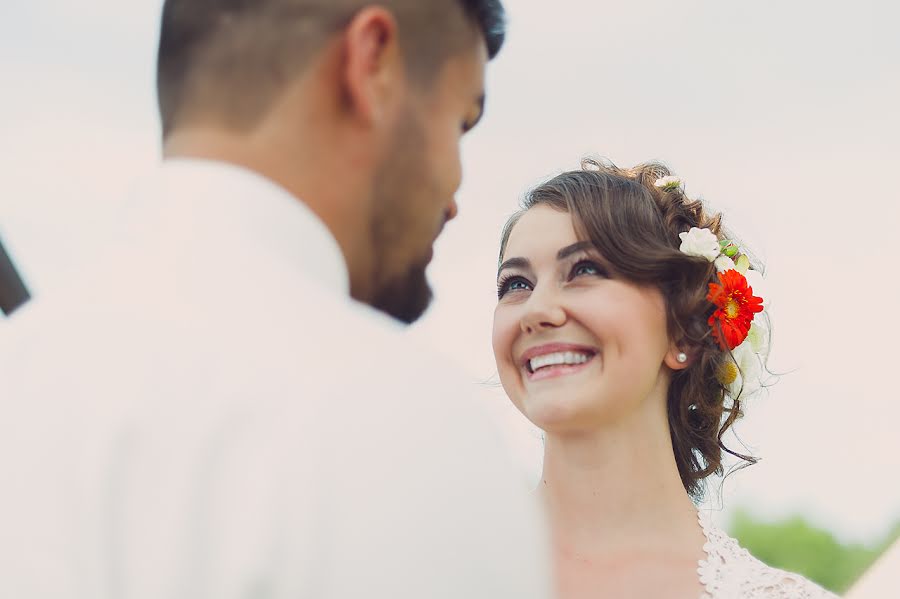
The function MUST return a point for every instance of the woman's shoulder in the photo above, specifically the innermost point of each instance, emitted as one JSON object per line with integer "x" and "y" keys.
{"x": 731, "y": 571}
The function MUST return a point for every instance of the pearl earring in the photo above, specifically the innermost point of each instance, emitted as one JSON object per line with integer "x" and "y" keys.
{"x": 681, "y": 357}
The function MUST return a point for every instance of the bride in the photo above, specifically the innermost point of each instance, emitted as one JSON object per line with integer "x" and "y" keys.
{"x": 628, "y": 330}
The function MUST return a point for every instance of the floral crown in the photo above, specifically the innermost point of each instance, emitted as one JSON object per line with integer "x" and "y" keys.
{"x": 734, "y": 322}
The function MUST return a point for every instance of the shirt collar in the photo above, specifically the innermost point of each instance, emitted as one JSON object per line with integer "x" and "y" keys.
{"x": 236, "y": 197}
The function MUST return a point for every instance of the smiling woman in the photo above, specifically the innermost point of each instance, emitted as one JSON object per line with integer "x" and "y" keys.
{"x": 626, "y": 329}
{"x": 626, "y": 231}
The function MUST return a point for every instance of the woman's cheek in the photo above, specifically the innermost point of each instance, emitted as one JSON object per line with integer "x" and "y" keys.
{"x": 504, "y": 335}
{"x": 500, "y": 335}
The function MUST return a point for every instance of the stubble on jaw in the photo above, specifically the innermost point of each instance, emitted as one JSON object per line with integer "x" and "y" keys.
{"x": 406, "y": 297}
{"x": 400, "y": 290}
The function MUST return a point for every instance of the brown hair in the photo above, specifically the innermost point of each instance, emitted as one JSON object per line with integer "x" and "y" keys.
{"x": 214, "y": 53}
{"x": 635, "y": 226}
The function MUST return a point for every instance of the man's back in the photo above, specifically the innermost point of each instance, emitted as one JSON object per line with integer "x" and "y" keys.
{"x": 209, "y": 415}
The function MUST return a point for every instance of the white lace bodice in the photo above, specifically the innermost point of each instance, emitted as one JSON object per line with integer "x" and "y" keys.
{"x": 730, "y": 572}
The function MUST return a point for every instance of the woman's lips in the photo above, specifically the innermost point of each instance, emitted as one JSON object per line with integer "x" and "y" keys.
{"x": 556, "y": 359}
{"x": 557, "y": 370}
{"x": 553, "y": 348}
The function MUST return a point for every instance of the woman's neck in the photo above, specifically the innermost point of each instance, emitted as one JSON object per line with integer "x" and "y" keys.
{"x": 617, "y": 488}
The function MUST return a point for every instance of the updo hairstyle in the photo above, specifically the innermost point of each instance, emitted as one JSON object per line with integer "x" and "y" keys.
{"x": 635, "y": 226}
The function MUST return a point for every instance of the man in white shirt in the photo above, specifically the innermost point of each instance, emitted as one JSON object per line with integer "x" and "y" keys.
{"x": 215, "y": 411}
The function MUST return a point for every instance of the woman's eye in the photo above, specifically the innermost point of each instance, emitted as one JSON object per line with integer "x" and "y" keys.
{"x": 512, "y": 284}
{"x": 586, "y": 267}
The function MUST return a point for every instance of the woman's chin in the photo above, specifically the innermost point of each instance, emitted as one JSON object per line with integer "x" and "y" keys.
{"x": 555, "y": 413}
{"x": 575, "y": 414}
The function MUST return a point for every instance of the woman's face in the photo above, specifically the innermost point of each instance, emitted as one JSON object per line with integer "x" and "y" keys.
{"x": 575, "y": 347}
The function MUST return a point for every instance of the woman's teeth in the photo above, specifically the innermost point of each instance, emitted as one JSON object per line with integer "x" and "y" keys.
{"x": 558, "y": 359}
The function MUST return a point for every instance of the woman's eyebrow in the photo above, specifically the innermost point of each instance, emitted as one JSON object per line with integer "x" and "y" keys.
{"x": 514, "y": 263}
{"x": 562, "y": 254}
{"x": 573, "y": 249}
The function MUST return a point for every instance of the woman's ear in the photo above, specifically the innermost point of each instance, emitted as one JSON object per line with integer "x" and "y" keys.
{"x": 677, "y": 359}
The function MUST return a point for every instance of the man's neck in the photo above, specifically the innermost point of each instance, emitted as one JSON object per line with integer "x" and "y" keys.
{"x": 309, "y": 176}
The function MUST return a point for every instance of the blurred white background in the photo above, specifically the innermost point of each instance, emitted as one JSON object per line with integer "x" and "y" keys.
{"x": 781, "y": 114}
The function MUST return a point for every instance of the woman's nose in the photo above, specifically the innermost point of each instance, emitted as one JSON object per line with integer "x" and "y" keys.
{"x": 542, "y": 311}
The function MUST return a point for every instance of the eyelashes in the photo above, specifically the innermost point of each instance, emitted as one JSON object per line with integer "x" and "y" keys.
{"x": 582, "y": 268}
{"x": 505, "y": 284}
{"x": 588, "y": 268}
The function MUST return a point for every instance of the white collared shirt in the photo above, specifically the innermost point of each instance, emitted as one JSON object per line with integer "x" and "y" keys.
{"x": 208, "y": 415}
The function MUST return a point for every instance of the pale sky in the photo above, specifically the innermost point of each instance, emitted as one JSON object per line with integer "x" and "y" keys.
{"x": 783, "y": 115}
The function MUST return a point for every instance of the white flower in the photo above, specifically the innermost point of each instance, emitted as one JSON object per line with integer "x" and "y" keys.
{"x": 700, "y": 242}
{"x": 724, "y": 263}
{"x": 748, "y": 379}
{"x": 758, "y": 336}
{"x": 669, "y": 183}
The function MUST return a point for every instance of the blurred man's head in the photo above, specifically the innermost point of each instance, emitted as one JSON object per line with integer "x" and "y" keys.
{"x": 355, "y": 107}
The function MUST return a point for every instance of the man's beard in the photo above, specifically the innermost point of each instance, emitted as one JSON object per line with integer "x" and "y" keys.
{"x": 404, "y": 297}
{"x": 401, "y": 182}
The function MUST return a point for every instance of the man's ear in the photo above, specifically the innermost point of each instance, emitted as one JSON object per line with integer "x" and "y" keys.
{"x": 372, "y": 63}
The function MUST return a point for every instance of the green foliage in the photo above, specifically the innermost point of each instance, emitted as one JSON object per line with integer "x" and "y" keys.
{"x": 797, "y": 546}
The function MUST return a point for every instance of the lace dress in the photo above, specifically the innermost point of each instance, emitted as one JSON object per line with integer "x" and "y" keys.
{"x": 730, "y": 572}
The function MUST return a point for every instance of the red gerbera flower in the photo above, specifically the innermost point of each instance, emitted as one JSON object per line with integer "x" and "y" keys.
{"x": 736, "y": 306}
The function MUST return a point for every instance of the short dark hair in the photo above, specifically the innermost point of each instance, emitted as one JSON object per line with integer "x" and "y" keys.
{"x": 491, "y": 19}
{"x": 212, "y": 51}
